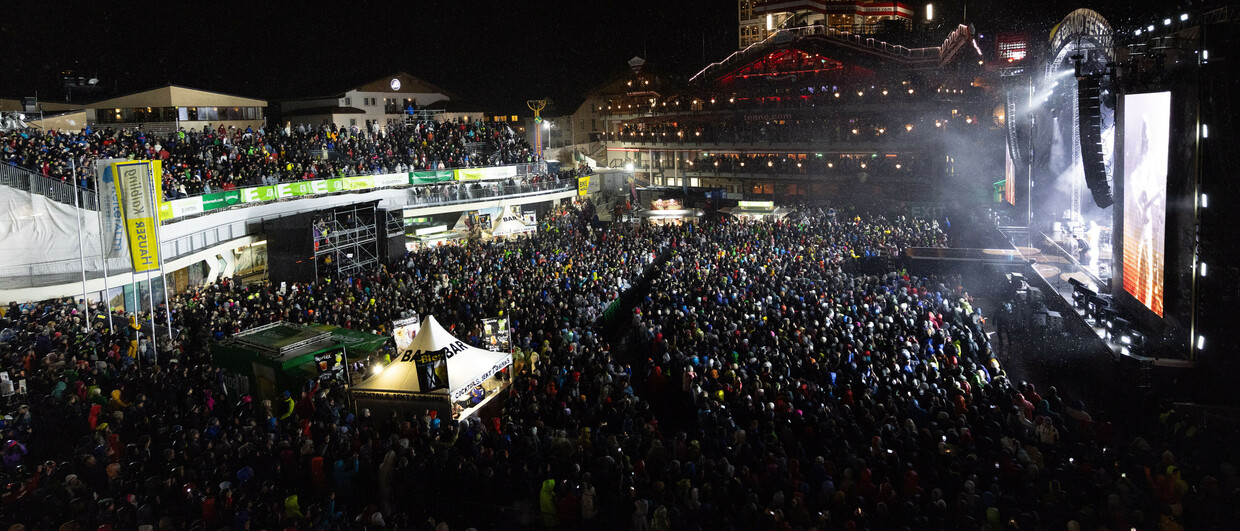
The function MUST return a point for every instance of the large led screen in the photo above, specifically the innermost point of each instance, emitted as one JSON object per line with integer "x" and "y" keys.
{"x": 1147, "y": 119}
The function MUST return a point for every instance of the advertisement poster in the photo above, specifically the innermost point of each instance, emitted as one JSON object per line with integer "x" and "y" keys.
{"x": 404, "y": 330}
{"x": 331, "y": 366}
{"x": 495, "y": 335}
{"x": 432, "y": 369}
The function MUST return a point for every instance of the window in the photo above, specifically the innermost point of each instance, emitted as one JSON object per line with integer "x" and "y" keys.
{"x": 348, "y": 101}
{"x": 352, "y": 121}
{"x": 593, "y": 124}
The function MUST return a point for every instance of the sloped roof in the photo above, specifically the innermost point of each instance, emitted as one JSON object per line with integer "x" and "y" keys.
{"x": 176, "y": 96}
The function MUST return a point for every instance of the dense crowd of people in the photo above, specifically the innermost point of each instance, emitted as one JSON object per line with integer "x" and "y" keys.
{"x": 216, "y": 159}
{"x": 776, "y": 375}
{"x": 837, "y": 128}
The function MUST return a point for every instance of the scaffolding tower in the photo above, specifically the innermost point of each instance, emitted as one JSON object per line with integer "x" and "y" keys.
{"x": 346, "y": 241}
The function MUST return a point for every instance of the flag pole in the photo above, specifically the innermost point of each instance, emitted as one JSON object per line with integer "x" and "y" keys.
{"x": 77, "y": 217}
{"x": 159, "y": 244}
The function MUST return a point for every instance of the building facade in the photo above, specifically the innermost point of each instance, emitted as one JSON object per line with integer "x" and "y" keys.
{"x": 375, "y": 104}
{"x": 810, "y": 114}
{"x": 758, "y": 19}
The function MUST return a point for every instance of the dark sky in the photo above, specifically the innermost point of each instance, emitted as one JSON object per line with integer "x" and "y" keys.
{"x": 495, "y": 54}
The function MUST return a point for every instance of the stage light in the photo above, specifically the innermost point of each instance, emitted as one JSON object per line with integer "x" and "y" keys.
{"x": 910, "y": 91}
{"x": 1138, "y": 32}
{"x": 897, "y": 166}
{"x": 1205, "y": 131}
{"x": 837, "y": 94}
{"x": 1183, "y": 17}
{"x": 1203, "y": 269}
{"x": 1205, "y": 201}
{"x": 1125, "y": 339}
{"x": 830, "y": 164}
{"x": 1166, "y": 22}
{"x": 378, "y": 368}
{"x": 929, "y": 12}
{"x": 628, "y": 166}
{"x": 1205, "y": 55}
{"x": 1201, "y": 342}
{"x": 908, "y": 127}
{"x": 1149, "y": 28}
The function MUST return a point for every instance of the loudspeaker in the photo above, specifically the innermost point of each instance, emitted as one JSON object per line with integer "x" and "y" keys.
{"x": 1089, "y": 105}
{"x": 290, "y": 249}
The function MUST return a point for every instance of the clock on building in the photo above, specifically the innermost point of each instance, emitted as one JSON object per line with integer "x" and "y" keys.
{"x": 395, "y": 84}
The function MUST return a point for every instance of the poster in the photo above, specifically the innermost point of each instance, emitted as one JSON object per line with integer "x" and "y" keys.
{"x": 432, "y": 369}
{"x": 496, "y": 335}
{"x": 331, "y": 366}
{"x": 404, "y": 330}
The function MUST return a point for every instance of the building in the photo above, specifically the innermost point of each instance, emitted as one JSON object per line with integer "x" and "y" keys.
{"x": 757, "y": 19}
{"x": 811, "y": 114}
{"x": 170, "y": 107}
{"x": 382, "y": 101}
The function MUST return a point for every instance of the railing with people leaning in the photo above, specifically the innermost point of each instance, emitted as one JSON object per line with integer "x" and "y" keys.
{"x": 59, "y": 191}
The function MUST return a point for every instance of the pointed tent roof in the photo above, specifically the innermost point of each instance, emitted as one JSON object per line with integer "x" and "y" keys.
{"x": 467, "y": 365}
{"x": 510, "y": 225}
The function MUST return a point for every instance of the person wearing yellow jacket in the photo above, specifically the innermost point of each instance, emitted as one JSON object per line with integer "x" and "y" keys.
{"x": 546, "y": 502}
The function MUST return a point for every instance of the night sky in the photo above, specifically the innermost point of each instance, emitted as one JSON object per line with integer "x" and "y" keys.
{"x": 495, "y": 54}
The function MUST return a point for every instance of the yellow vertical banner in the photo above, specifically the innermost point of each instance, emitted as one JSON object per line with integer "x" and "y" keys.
{"x": 137, "y": 194}
{"x": 583, "y": 185}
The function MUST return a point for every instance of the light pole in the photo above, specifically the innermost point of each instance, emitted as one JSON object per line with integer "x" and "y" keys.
{"x": 537, "y": 106}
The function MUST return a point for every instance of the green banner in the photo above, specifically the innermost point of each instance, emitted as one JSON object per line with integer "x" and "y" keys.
{"x": 429, "y": 177}
{"x": 358, "y": 183}
{"x": 258, "y": 194}
{"x": 220, "y": 200}
{"x": 293, "y": 189}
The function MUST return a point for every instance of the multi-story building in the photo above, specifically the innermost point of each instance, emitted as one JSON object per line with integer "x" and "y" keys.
{"x": 758, "y": 19}
{"x": 811, "y": 112}
{"x": 381, "y": 101}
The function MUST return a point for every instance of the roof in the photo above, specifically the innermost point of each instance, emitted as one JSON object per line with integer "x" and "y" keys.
{"x": 176, "y": 96}
{"x": 329, "y": 109}
{"x": 408, "y": 85}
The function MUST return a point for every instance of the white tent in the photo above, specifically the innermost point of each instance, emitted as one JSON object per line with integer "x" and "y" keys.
{"x": 468, "y": 366}
{"x": 511, "y": 225}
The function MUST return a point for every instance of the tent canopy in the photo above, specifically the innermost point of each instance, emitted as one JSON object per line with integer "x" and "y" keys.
{"x": 511, "y": 225}
{"x": 468, "y": 366}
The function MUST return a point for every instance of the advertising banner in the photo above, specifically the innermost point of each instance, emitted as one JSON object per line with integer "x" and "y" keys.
{"x": 136, "y": 193}
{"x": 495, "y": 335}
{"x": 113, "y": 233}
{"x": 293, "y": 189}
{"x": 583, "y": 185}
{"x": 258, "y": 194}
{"x": 358, "y": 183}
{"x": 432, "y": 367}
{"x": 430, "y": 177}
{"x": 182, "y": 207}
{"x": 483, "y": 174}
{"x": 404, "y": 330}
{"x": 220, "y": 200}
{"x": 391, "y": 179}
{"x": 331, "y": 366}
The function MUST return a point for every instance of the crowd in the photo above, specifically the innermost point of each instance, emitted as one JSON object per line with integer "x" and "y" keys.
{"x": 767, "y": 381}
{"x": 212, "y": 160}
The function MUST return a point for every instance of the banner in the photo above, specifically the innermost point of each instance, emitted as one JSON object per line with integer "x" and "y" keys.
{"x": 220, "y": 200}
{"x": 432, "y": 367}
{"x": 583, "y": 185}
{"x": 495, "y": 335}
{"x": 404, "y": 330}
{"x": 113, "y": 239}
{"x": 331, "y": 366}
{"x": 136, "y": 193}
{"x": 293, "y": 189}
{"x": 182, "y": 207}
{"x": 482, "y": 174}
{"x": 391, "y": 179}
{"x": 258, "y": 194}
{"x": 431, "y": 177}
{"x": 358, "y": 183}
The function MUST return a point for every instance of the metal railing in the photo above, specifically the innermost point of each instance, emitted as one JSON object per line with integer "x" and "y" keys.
{"x": 59, "y": 191}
